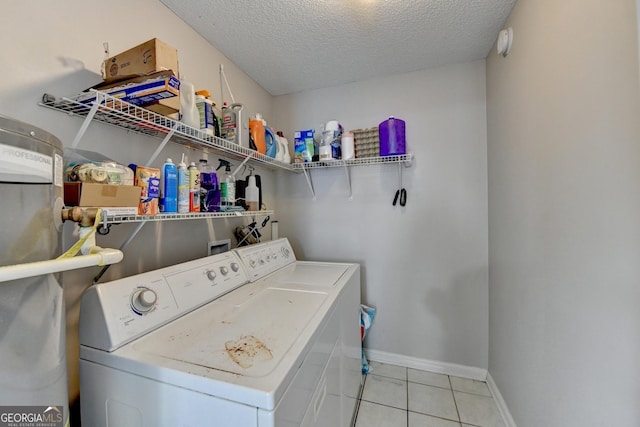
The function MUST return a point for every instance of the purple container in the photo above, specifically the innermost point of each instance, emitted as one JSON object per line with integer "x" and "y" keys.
{"x": 392, "y": 140}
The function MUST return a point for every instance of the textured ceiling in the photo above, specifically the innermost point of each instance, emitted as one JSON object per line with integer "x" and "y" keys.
{"x": 294, "y": 45}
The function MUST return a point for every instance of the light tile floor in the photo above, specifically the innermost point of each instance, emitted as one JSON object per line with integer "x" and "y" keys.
{"x": 395, "y": 396}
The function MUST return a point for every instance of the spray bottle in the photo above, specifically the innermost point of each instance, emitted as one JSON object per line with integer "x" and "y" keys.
{"x": 227, "y": 185}
{"x": 210, "y": 190}
{"x": 183, "y": 187}
{"x": 194, "y": 188}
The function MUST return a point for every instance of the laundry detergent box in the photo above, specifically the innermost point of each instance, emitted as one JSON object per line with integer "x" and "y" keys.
{"x": 303, "y": 146}
{"x": 145, "y": 58}
{"x": 157, "y": 92}
{"x": 148, "y": 179}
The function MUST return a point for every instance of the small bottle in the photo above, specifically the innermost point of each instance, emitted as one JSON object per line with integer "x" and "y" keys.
{"x": 194, "y": 188}
{"x": 169, "y": 188}
{"x": 347, "y": 146}
{"x": 251, "y": 194}
{"x": 183, "y": 187}
{"x": 227, "y": 185}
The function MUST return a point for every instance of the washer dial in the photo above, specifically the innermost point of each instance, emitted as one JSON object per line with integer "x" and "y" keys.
{"x": 143, "y": 300}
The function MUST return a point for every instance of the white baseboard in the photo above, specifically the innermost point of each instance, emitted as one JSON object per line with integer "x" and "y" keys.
{"x": 502, "y": 405}
{"x": 436, "y": 366}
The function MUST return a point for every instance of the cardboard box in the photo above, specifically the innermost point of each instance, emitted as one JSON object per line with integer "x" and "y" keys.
{"x": 148, "y": 179}
{"x": 157, "y": 92}
{"x": 146, "y": 58}
{"x": 98, "y": 195}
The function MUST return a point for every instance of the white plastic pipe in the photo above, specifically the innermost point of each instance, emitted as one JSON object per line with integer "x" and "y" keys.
{"x": 98, "y": 258}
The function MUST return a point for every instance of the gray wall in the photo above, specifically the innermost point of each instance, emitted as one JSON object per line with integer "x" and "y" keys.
{"x": 425, "y": 264}
{"x": 564, "y": 230}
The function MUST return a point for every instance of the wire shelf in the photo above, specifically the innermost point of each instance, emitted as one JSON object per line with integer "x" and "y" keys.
{"x": 118, "y": 219}
{"x": 364, "y": 161}
{"x": 124, "y": 115}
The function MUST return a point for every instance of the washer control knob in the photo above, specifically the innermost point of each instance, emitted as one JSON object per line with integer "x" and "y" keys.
{"x": 211, "y": 275}
{"x": 286, "y": 252}
{"x": 143, "y": 300}
{"x": 252, "y": 263}
{"x": 224, "y": 270}
{"x": 235, "y": 267}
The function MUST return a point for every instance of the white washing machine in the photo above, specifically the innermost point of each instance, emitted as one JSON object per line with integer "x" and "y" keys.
{"x": 250, "y": 337}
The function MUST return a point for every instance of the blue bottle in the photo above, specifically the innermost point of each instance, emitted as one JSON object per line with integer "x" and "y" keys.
{"x": 169, "y": 188}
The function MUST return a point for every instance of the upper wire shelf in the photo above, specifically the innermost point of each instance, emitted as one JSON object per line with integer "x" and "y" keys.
{"x": 362, "y": 161}
{"x": 122, "y": 114}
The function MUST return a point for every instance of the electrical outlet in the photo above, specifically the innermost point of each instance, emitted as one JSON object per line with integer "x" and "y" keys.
{"x": 218, "y": 247}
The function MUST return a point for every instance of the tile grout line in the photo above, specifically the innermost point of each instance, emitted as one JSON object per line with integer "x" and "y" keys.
{"x": 454, "y": 400}
{"x": 359, "y": 401}
{"x": 406, "y": 377}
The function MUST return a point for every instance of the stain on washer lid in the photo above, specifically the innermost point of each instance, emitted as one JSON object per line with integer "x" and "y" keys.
{"x": 247, "y": 350}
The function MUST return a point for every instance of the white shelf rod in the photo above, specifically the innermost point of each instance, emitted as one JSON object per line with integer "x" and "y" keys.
{"x": 85, "y": 124}
{"x": 307, "y": 176}
{"x": 164, "y": 142}
{"x": 348, "y": 175}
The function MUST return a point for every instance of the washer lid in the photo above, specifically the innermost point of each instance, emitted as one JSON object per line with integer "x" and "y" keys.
{"x": 243, "y": 337}
{"x": 310, "y": 274}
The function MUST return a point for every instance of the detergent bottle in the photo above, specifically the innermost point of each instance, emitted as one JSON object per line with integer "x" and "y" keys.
{"x": 256, "y": 133}
{"x": 231, "y": 120}
{"x": 271, "y": 142}
{"x": 189, "y": 114}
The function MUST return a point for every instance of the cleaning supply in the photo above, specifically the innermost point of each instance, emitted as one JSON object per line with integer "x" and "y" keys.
{"x": 303, "y": 146}
{"x": 183, "y": 187}
{"x": 231, "y": 118}
{"x": 210, "y": 190}
{"x": 205, "y": 112}
{"x": 330, "y": 141}
{"x": 286, "y": 156}
{"x": 169, "y": 188}
{"x": 252, "y": 196}
{"x": 188, "y": 110}
{"x": 227, "y": 185}
{"x": 256, "y": 134}
{"x": 392, "y": 137}
{"x": 347, "y": 146}
{"x": 194, "y": 188}
{"x": 271, "y": 143}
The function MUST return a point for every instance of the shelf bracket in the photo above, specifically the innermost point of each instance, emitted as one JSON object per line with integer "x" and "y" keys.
{"x": 86, "y": 123}
{"x": 348, "y": 175}
{"x": 307, "y": 176}
{"x": 164, "y": 142}
{"x": 124, "y": 245}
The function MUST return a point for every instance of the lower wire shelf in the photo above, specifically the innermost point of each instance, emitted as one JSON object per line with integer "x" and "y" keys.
{"x": 118, "y": 219}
